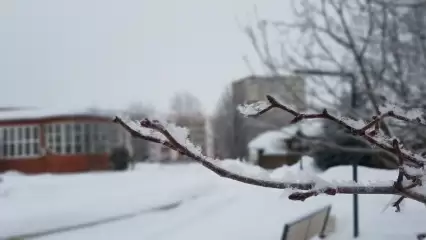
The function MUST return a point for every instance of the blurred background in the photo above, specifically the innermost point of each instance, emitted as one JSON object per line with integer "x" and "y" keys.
{"x": 67, "y": 67}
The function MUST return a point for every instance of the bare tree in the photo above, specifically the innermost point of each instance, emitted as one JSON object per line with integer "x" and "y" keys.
{"x": 139, "y": 110}
{"x": 186, "y": 111}
{"x": 223, "y": 130}
{"x": 375, "y": 47}
{"x": 370, "y": 39}
{"x": 185, "y": 103}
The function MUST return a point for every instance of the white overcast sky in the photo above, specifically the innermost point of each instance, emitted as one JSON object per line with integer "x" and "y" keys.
{"x": 110, "y": 53}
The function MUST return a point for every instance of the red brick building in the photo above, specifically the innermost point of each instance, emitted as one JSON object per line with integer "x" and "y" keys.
{"x": 37, "y": 141}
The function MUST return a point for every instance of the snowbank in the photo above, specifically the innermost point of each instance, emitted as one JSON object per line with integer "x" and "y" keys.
{"x": 272, "y": 142}
{"x": 211, "y": 207}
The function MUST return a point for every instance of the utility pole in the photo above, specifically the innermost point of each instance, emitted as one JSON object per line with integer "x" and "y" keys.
{"x": 352, "y": 77}
{"x": 355, "y": 164}
{"x": 237, "y": 122}
{"x": 234, "y": 124}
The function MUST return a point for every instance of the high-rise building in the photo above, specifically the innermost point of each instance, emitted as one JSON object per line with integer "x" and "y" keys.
{"x": 289, "y": 90}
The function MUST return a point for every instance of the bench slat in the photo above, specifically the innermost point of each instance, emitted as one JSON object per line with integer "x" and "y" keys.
{"x": 308, "y": 226}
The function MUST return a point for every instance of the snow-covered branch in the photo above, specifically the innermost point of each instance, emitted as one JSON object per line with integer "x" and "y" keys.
{"x": 409, "y": 182}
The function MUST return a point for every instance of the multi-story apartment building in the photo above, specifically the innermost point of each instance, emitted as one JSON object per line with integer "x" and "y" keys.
{"x": 288, "y": 89}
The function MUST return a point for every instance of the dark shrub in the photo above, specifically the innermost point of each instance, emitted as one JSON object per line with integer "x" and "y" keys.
{"x": 326, "y": 157}
{"x": 120, "y": 159}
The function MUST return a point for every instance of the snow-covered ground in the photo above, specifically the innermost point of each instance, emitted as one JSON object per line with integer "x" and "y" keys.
{"x": 175, "y": 202}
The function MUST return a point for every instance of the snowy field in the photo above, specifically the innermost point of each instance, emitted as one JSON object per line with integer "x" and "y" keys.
{"x": 184, "y": 202}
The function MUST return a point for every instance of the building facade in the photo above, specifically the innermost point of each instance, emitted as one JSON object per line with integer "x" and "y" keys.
{"x": 289, "y": 89}
{"x": 36, "y": 141}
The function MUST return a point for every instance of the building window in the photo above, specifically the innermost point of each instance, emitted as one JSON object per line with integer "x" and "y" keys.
{"x": 54, "y": 133}
{"x": 80, "y": 138}
{"x": 65, "y": 138}
{"x": 98, "y": 139}
{"x": 68, "y": 139}
{"x": 87, "y": 138}
{"x": 20, "y": 141}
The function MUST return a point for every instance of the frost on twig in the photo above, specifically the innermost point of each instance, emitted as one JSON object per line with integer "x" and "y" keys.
{"x": 252, "y": 108}
{"x": 413, "y": 115}
{"x": 409, "y": 182}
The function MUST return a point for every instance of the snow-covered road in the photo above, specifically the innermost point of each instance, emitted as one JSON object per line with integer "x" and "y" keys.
{"x": 181, "y": 202}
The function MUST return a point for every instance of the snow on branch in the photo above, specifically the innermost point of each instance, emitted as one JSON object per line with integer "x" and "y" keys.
{"x": 409, "y": 183}
{"x": 370, "y": 131}
{"x": 253, "y": 108}
{"x": 412, "y": 115}
{"x": 175, "y": 138}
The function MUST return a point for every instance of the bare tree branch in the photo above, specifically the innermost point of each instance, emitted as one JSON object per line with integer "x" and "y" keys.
{"x": 308, "y": 189}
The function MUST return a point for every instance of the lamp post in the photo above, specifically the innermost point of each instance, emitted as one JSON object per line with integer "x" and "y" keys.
{"x": 236, "y": 146}
{"x": 355, "y": 162}
{"x": 350, "y": 75}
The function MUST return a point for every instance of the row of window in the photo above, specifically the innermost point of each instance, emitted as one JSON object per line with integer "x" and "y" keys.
{"x": 61, "y": 138}
{"x": 20, "y": 141}
{"x": 76, "y": 138}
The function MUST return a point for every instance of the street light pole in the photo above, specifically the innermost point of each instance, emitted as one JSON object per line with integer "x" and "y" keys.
{"x": 350, "y": 75}
{"x": 355, "y": 164}
{"x": 235, "y": 125}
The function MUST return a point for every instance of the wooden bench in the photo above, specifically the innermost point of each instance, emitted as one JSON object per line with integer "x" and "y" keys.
{"x": 318, "y": 223}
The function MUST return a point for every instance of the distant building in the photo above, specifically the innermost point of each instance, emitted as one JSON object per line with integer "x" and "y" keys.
{"x": 2, "y": 109}
{"x": 196, "y": 124}
{"x": 37, "y": 141}
{"x": 209, "y": 138}
{"x": 289, "y": 90}
{"x": 272, "y": 149}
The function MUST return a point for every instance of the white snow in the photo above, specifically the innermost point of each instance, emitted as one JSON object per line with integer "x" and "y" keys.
{"x": 180, "y": 134}
{"x": 135, "y": 125}
{"x": 410, "y": 114}
{"x": 357, "y": 124}
{"x": 210, "y": 207}
{"x": 272, "y": 142}
{"x": 250, "y": 109}
{"x": 273, "y": 139}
